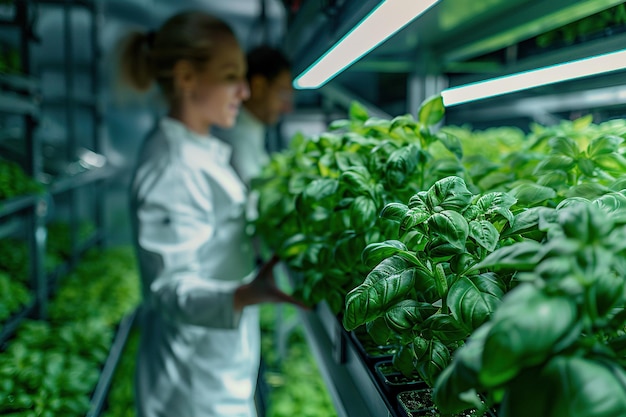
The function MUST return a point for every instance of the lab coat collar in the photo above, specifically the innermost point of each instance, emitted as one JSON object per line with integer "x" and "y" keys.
{"x": 220, "y": 150}
{"x": 248, "y": 119}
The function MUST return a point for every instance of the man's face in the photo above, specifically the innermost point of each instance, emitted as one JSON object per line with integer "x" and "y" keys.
{"x": 276, "y": 97}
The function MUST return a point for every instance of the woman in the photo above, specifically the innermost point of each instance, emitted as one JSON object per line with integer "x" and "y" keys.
{"x": 199, "y": 352}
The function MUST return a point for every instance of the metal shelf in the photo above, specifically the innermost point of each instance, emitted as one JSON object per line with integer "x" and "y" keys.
{"x": 14, "y": 205}
{"x": 64, "y": 184}
{"x": 21, "y": 83}
{"x": 17, "y": 104}
{"x": 102, "y": 388}
{"x": 353, "y": 387}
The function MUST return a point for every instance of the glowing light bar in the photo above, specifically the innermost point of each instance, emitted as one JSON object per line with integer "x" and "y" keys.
{"x": 383, "y": 21}
{"x": 580, "y": 68}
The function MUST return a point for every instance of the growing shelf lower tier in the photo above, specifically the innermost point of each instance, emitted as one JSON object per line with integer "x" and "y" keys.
{"x": 349, "y": 375}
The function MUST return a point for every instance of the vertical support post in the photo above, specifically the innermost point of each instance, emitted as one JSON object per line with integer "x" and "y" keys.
{"x": 97, "y": 106}
{"x": 68, "y": 50}
{"x": 424, "y": 82}
{"x": 34, "y": 167}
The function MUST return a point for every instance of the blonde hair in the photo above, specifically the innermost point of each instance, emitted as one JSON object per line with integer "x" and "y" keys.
{"x": 151, "y": 56}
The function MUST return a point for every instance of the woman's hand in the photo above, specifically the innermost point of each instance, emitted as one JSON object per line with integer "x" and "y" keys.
{"x": 263, "y": 289}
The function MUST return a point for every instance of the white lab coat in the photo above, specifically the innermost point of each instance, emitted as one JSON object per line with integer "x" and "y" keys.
{"x": 198, "y": 357}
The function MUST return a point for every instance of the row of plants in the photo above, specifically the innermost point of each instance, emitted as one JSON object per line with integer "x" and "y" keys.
{"x": 14, "y": 182}
{"x": 50, "y": 367}
{"x": 15, "y": 286}
{"x": 287, "y": 361}
{"x": 487, "y": 259}
{"x": 283, "y": 370}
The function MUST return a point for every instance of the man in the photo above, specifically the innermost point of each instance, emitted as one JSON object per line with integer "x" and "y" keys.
{"x": 269, "y": 79}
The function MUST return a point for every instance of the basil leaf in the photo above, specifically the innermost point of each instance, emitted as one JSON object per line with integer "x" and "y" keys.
{"x": 519, "y": 256}
{"x": 387, "y": 284}
{"x": 603, "y": 145}
{"x": 525, "y": 328}
{"x": 431, "y": 111}
{"x": 375, "y": 253}
{"x": 433, "y": 362}
{"x": 363, "y": 213}
{"x": 449, "y": 193}
{"x": 406, "y": 314}
{"x": 566, "y": 386}
{"x": 484, "y": 233}
{"x": 530, "y": 194}
{"x": 473, "y": 299}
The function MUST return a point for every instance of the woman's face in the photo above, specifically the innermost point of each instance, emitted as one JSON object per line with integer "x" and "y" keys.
{"x": 213, "y": 96}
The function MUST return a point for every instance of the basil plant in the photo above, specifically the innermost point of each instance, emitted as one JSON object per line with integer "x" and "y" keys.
{"x": 556, "y": 344}
{"x": 320, "y": 199}
{"x": 423, "y": 291}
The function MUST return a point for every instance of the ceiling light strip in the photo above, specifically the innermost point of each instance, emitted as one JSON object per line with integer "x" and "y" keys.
{"x": 382, "y": 22}
{"x": 585, "y": 67}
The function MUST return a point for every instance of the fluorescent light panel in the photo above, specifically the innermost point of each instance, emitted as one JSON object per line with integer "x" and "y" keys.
{"x": 599, "y": 64}
{"x": 383, "y": 21}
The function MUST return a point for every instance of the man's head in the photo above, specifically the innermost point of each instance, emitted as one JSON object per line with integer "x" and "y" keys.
{"x": 269, "y": 77}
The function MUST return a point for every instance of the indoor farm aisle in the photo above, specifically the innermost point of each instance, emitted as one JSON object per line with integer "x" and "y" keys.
{"x": 287, "y": 362}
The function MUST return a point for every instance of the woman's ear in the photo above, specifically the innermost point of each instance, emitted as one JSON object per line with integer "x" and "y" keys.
{"x": 184, "y": 77}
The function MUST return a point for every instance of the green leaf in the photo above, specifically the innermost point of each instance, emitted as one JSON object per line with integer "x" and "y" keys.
{"x": 394, "y": 212}
{"x": 588, "y": 190}
{"x": 451, "y": 143}
{"x": 604, "y": 145}
{"x": 484, "y": 233}
{"x": 433, "y": 362}
{"x": 379, "y": 331}
{"x": 375, "y": 253}
{"x": 363, "y": 213}
{"x": 357, "y": 180}
{"x": 449, "y": 193}
{"x": 339, "y": 124}
{"x": 555, "y": 163}
{"x": 350, "y": 160}
{"x": 358, "y": 112}
{"x": 401, "y": 165}
{"x": 405, "y": 120}
{"x": 403, "y": 316}
{"x": 529, "y": 194}
{"x": 613, "y": 204}
{"x": 564, "y": 146}
{"x": 517, "y": 257}
{"x": 566, "y": 386}
{"x": 584, "y": 222}
{"x": 389, "y": 282}
{"x": 431, "y": 111}
{"x": 448, "y": 227}
{"x": 496, "y": 203}
{"x": 525, "y": 328}
{"x": 444, "y": 327}
{"x": 414, "y": 217}
{"x": 525, "y": 221}
{"x": 461, "y": 376}
{"x": 473, "y": 299}
{"x": 613, "y": 163}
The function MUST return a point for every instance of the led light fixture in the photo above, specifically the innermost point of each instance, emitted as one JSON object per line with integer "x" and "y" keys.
{"x": 384, "y": 20}
{"x": 580, "y": 68}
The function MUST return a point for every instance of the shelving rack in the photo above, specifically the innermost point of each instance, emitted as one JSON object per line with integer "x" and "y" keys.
{"x": 74, "y": 191}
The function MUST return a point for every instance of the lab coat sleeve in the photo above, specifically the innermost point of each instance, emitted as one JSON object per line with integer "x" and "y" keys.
{"x": 175, "y": 219}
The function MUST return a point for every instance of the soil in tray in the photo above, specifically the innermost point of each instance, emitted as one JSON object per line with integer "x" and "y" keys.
{"x": 419, "y": 403}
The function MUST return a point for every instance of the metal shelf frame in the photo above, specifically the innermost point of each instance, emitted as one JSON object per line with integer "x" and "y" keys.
{"x": 21, "y": 96}
{"x": 351, "y": 383}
